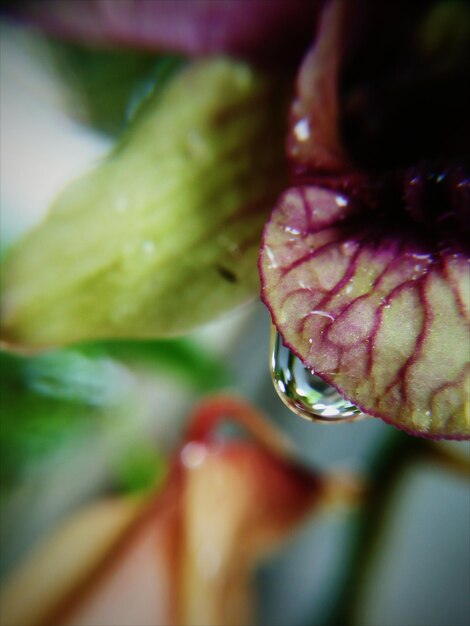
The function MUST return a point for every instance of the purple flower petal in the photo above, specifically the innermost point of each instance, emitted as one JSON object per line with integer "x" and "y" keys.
{"x": 365, "y": 262}
{"x": 259, "y": 29}
{"x": 372, "y": 308}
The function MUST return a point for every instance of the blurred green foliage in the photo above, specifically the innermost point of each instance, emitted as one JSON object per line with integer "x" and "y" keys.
{"x": 52, "y": 399}
{"x": 180, "y": 357}
{"x": 108, "y": 85}
{"x": 34, "y": 420}
{"x": 141, "y": 468}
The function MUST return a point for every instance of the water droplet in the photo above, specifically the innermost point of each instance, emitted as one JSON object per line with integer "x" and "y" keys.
{"x": 348, "y": 247}
{"x": 341, "y": 200}
{"x": 271, "y": 257}
{"x": 292, "y": 230}
{"x": 304, "y": 393}
{"x": 302, "y": 129}
{"x": 148, "y": 247}
{"x": 322, "y": 314}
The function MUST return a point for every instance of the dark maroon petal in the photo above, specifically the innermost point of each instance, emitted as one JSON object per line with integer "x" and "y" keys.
{"x": 372, "y": 308}
{"x": 385, "y": 86}
{"x": 314, "y": 140}
{"x": 258, "y": 29}
{"x": 404, "y": 83}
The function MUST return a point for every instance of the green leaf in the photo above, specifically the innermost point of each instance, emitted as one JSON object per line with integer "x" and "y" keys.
{"x": 180, "y": 357}
{"x": 47, "y": 401}
{"x": 164, "y": 235}
{"x": 56, "y": 398}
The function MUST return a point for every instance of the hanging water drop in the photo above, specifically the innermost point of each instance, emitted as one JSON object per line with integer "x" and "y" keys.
{"x": 304, "y": 393}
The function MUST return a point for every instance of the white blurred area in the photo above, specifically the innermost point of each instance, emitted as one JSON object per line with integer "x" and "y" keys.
{"x": 41, "y": 149}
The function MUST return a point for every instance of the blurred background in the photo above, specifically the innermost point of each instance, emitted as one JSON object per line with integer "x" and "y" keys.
{"x": 102, "y": 418}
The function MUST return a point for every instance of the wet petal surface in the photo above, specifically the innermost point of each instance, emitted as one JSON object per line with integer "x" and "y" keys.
{"x": 372, "y": 309}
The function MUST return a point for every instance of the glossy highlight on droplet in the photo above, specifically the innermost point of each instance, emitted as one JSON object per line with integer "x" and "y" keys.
{"x": 304, "y": 393}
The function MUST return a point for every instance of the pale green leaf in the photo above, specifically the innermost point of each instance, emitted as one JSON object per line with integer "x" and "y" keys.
{"x": 164, "y": 234}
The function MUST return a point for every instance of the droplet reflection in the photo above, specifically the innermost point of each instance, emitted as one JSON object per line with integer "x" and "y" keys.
{"x": 304, "y": 393}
